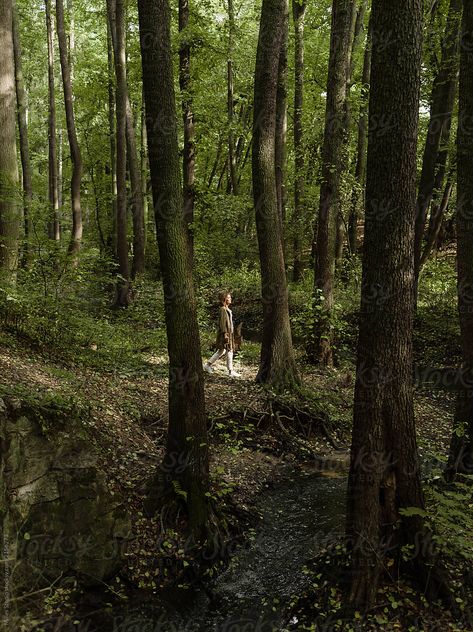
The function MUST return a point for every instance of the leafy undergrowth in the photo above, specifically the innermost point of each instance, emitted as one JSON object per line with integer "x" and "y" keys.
{"x": 400, "y": 604}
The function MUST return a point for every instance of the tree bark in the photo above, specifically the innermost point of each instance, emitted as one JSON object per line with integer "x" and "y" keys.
{"x": 332, "y": 167}
{"x": 362, "y": 141}
{"x": 277, "y": 365}
{"x": 186, "y": 460}
{"x": 441, "y": 105}
{"x": 54, "y": 226}
{"x": 188, "y": 159}
{"x": 22, "y": 114}
{"x": 76, "y": 178}
{"x": 384, "y": 470}
{"x": 280, "y": 151}
{"x": 116, "y": 11}
{"x": 461, "y": 447}
{"x": 144, "y": 168}
{"x": 9, "y": 209}
{"x": 298, "y": 13}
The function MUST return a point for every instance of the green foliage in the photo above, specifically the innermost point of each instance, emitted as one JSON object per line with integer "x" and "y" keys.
{"x": 436, "y": 333}
{"x": 50, "y": 409}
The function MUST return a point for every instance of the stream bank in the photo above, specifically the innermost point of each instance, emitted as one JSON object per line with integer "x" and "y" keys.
{"x": 300, "y": 516}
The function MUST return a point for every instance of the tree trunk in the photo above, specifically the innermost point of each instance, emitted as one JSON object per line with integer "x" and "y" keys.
{"x": 188, "y": 158}
{"x": 356, "y": 32}
{"x": 116, "y": 11}
{"x": 384, "y": 472}
{"x": 277, "y": 365}
{"x": 298, "y": 13}
{"x": 231, "y": 144}
{"x": 54, "y": 226}
{"x": 138, "y": 262}
{"x": 437, "y": 213}
{"x": 332, "y": 167}
{"x": 112, "y": 240}
{"x": 9, "y": 209}
{"x": 22, "y": 113}
{"x": 461, "y": 448}
{"x": 144, "y": 169}
{"x": 441, "y": 105}
{"x": 280, "y": 151}
{"x": 186, "y": 463}
{"x": 76, "y": 235}
{"x": 360, "y": 167}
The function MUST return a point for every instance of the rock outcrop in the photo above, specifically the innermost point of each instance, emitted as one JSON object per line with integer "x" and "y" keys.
{"x": 57, "y": 516}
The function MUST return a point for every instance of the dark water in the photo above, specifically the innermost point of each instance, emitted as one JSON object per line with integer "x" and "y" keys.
{"x": 299, "y": 517}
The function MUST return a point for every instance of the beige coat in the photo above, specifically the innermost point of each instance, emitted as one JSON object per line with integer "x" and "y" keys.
{"x": 225, "y": 338}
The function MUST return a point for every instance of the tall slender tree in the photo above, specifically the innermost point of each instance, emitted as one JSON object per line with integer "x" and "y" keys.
{"x": 362, "y": 140}
{"x": 76, "y": 178}
{"x": 112, "y": 234}
{"x": 461, "y": 447}
{"x": 22, "y": 111}
{"x": 298, "y": 13}
{"x": 384, "y": 470}
{"x": 332, "y": 167}
{"x": 232, "y": 181}
{"x": 9, "y": 209}
{"x": 54, "y": 224}
{"x": 138, "y": 261}
{"x": 277, "y": 364}
{"x": 441, "y": 106}
{"x": 186, "y": 461}
{"x": 117, "y": 8}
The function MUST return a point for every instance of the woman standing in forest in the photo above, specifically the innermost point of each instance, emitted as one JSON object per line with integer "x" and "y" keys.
{"x": 225, "y": 342}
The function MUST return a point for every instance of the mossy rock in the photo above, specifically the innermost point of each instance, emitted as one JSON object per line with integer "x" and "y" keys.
{"x": 56, "y": 514}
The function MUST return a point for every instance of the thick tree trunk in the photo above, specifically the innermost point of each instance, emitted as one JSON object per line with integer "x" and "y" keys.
{"x": 461, "y": 448}
{"x": 277, "y": 364}
{"x": 441, "y": 105}
{"x": 9, "y": 208}
{"x": 186, "y": 462}
{"x": 188, "y": 158}
{"x": 116, "y": 9}
{"x": 280, "y": 150}
{"x": 298, "y": 230}
{"x": 76, "y": 178}
{"x": 384, "y": 472}
{"x": 231, "y": 143}
{"x": 360, "y": 166}
{"x": 22, "y": 112}
{"x": 332, "y": 167}
{"x": 54, "y": 226}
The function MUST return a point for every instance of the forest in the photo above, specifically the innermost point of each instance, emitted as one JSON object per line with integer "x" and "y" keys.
{"x": 236, "y": 315}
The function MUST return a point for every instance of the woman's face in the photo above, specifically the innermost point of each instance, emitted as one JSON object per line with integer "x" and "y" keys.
{"x": 228, "y": 299}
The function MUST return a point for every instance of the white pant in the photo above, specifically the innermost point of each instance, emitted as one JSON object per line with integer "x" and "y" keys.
{"x": 219, "y": 354}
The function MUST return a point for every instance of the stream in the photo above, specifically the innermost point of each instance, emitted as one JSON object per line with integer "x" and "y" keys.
{"x": 299, "y": 517}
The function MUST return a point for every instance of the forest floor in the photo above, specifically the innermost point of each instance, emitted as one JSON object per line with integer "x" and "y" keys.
{"x": 127, "y": 423}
